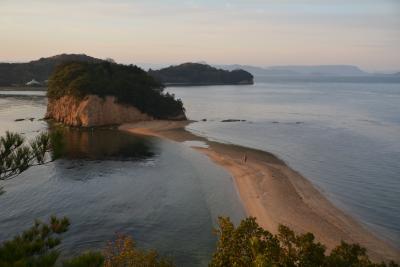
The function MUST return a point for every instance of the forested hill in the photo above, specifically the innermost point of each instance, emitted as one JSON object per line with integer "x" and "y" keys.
{"x": 200, "y": 74}
{"x": 129, "y": 84}
{"x": 40, "y": 70}
{"x": 188, "y": 73}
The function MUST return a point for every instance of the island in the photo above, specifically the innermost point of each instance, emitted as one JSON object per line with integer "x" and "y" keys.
{"x": 105, "y": 93}
{"x": 37, "y": 72}
{"x": 200, "y": 74}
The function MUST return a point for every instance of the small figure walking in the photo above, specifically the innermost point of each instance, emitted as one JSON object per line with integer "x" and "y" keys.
{"x": 245, "y": 158}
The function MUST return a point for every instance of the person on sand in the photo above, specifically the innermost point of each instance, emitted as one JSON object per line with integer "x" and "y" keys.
{"x": 245, "y": 158}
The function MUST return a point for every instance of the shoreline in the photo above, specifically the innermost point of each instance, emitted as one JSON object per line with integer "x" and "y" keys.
{"x": 274, "y": 193}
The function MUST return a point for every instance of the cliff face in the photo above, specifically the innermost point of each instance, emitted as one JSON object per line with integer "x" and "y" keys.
{"x": 93, "y": 111}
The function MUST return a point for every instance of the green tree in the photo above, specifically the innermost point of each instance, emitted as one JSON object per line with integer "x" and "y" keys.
{"x": 352, "y": 255}
{"x": 129, "y": 84}
{"x": 35, "y": 247}
{"x": 16, "y": 155}
{"x": 122, "y": 252}
{"x": 246, "y": 245}
{"x": 87, "y": 259}
{"x": 299, "y": 250}
{"x": 249, "y": 245}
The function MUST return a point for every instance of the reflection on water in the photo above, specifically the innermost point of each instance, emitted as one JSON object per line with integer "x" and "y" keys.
{"x": 104, "y": 144}
{"x": 164, "y": 194}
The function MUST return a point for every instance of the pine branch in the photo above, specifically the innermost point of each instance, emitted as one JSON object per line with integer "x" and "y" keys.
{"x": 16, "y": 155}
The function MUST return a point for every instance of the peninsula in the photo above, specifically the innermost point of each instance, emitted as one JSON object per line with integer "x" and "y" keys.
{"x": 104, "y": 93}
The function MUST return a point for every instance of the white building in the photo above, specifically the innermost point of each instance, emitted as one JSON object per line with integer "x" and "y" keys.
{"x": 33, "y": 83}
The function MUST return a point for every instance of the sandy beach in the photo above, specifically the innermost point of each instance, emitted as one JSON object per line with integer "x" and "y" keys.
{"x": 274, "y": 193}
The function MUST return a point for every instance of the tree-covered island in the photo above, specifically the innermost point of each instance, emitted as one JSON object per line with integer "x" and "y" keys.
{"x": 39, "y": 71}
{"x": 94, "y": 94}
{"x": 200, "y": 74}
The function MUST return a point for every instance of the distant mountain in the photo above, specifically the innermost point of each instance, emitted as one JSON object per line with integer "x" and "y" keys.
{"x": 326, "y": 70}
{"x": 201, "y": 74}
{"x": 39, "y": 70}
{"x": 322, "y": 70}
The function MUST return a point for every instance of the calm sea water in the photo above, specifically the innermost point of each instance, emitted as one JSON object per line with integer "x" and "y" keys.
{"x": 344, "y": 137}
{"x": 165, "y": 195}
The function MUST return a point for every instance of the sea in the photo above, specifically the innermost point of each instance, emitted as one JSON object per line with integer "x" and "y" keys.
{"x": 164, "y": 195}
{"x": 342, "y": 136}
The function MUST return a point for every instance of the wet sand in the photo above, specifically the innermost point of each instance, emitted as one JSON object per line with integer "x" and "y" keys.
{"x": 274, "y": 193}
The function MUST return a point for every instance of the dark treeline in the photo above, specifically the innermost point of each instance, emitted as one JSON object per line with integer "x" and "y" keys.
{"x": 40, "y": 70}
{"x": 189, "y": 73}
{"x": 200, "y": 74}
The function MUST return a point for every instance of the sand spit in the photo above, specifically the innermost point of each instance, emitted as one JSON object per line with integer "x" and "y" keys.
{"x": 274, "y": 193}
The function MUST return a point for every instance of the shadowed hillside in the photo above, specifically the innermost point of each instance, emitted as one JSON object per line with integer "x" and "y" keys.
{"x": 40, "y": 70}
{"x": 200, "y": 74}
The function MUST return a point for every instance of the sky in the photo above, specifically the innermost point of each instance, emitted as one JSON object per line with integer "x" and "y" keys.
{"x": 253, "y": 32}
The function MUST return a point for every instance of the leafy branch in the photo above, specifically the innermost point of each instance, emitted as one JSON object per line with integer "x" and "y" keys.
{"x": 35, "y": 246}
{"x": 17, "y": 155}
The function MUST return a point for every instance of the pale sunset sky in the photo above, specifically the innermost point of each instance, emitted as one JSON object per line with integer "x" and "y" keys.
{"x": 254, "y": 32}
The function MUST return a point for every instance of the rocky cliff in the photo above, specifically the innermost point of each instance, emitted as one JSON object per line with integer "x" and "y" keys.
{"x": 92, "y": 111}
{"x": 105, "y": 93}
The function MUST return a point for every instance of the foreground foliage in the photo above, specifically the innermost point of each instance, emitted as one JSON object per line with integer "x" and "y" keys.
{"x": 123, "y": 253}
{"x": 16, "y": 155}
{"x": 87, "y": 259}
{"x": 243, "y": 246}
{"x": 34, "y": 247}
{"x": 129, "y": 84}
{"x": 250, "y": 245}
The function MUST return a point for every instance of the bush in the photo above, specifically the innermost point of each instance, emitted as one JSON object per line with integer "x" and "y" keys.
{"x": 123, "y": 253}
{"x": 250, "y": 245}
{"x": 88, "y": 259}
{"x": 35, "y": 247}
